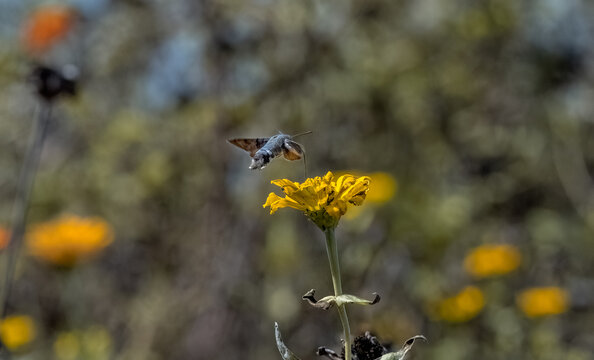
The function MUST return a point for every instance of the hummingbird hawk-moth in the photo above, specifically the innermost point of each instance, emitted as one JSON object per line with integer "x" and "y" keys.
{"x": 263, "y": 150}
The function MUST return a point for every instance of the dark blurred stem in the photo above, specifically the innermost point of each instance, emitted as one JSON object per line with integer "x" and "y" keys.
{"x": 571, "y": 167}
{"x": 21, "y": 203}
{"x": 332, "y": 251}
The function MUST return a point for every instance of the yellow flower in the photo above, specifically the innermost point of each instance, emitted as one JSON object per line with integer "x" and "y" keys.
{"x": 543, "y": 301}
{"x": 91, "y": 343}
{"x": 67, "y": 346}
{"x": 384, "y": 188}
{"x": 69, "y": 240}
{"x": 4, "y": 238}
{"x": 17, "y": 331}
{"x": 323, "y": 199}
{"x": 492, "y": 260}
{"x": 463, "y": 306}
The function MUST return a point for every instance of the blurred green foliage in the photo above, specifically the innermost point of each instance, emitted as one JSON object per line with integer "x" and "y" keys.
{"x": 481, "y": 111}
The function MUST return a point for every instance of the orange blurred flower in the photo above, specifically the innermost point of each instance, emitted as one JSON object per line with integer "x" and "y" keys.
{"x": 4, "y": 237}
{"x": 463, "y": 306}
{"x": 17, "y": 331}
{"x": 46, "y": 26}
{"x": 543, "y": 301}
{"x": 492, "y": 260}
{"x": 69, "y": 240}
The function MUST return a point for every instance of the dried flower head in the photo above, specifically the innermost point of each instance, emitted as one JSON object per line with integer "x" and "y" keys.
{"x": 323, "y": 199}
{"x": 69, "y": 239}
{"x": 368, "y": 347}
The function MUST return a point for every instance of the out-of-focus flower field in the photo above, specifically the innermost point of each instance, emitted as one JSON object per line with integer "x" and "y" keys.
{"x": 147, "y": 237}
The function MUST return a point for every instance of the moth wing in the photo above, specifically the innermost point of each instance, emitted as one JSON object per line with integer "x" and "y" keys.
{"x": 249, "y": 145}
{"x": 292, "y": 150}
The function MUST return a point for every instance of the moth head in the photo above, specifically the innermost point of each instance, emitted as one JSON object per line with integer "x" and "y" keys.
{"x": 260, "y": 160}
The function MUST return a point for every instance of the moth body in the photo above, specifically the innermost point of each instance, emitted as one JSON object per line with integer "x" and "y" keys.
{"x": 263, "y": 150}
{"x": 272, "y": 149}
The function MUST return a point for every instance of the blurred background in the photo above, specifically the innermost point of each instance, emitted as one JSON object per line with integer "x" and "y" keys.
{"x": 147, "y": 238}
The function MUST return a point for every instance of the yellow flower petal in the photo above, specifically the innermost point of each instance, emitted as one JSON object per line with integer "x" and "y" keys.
{"x": 343, "y": 182}
{"x": 286, "y": 185}
{"x": 276, "y": 202}
{"x": 357, "y": 192}
{"x": 383, "y": 189}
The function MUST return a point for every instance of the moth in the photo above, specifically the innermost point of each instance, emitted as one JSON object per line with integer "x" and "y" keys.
{"x": 263, "y": 150}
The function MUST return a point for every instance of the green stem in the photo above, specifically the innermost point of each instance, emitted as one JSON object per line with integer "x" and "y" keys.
{"x": 332, "y": 251}
{"x": 20, "y": 207}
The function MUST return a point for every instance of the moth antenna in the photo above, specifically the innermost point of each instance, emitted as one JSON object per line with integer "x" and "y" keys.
{"x": 303, "y": 133}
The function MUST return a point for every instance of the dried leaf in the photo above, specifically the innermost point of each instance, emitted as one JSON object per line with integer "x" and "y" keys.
{"x": 309, "y": 296}
{"x": 282, "y": 348}
{"x": 330, "y": 301}
{"x": 352, "y": 299}
{"x": 401, "y": 354}
{"x": 330, "y": 354}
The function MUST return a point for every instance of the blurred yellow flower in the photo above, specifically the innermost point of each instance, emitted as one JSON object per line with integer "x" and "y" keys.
{"x": 463, "y": 306}
{"x": 492, "y": 260}
{"x": 4, "y": 237}
{"x": 323, "y": 199}
{"x": 543, "y": 301}
{"x": 69, "y": 239}
{"x": 384, "y": 188}
{"x": 66, "y": 346}
{"x": 17, "y": 331}
{"x": 92, "y": 343}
